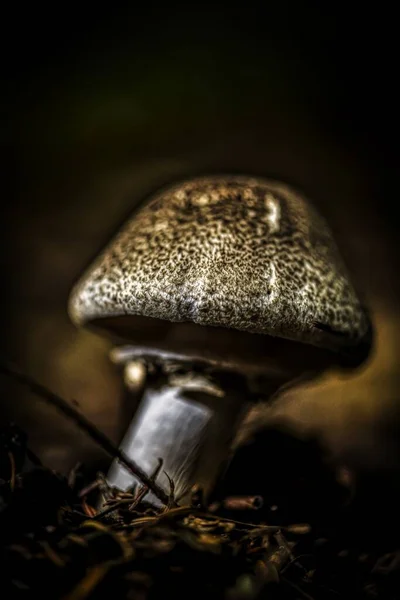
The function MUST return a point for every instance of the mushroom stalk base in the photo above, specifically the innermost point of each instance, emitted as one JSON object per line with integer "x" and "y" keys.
{"x": 190, "y": 425}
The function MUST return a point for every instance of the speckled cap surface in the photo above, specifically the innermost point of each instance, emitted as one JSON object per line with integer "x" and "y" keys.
{"x": 233, "y": 252}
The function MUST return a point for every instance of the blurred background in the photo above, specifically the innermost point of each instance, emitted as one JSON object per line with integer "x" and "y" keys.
{"x": 103, "y": 106}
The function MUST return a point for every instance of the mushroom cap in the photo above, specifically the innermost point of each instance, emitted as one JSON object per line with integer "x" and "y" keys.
{"x": 226, "y": 254}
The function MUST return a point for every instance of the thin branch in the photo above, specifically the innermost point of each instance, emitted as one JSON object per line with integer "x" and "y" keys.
{"x": 84, "y": 424}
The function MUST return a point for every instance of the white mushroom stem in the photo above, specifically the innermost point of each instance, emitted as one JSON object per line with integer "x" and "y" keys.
{"x": 189, "y": 422}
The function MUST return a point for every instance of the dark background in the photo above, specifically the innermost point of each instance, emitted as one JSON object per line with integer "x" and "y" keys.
{"x": 102, "y": 106}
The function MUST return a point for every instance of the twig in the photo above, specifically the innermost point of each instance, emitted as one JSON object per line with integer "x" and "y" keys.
{"x": 89, "y": 510}
{"x": 138, "y": 498}
{"x": 243, "y": 502}
{"x": 298, "y": 589}
{"x": 89, "y": 582}
{"x": 169, "y": 514}
{"x": 85, "y": 425}
{"x": 171, "y": 500}
{"x": 296, "y": 561}
{"x": 144, "y": 489}
{"x": 12, "y": 470}
{"x": 132, "y": 501}
{"x": 72, "y": 474}
{"x": 90, "y": 488}
{"x": 33, "y": 458}
{"x": 111, "y": 508}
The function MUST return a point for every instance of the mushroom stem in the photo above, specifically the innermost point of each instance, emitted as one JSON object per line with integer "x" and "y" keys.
{"x": 188, "y": 421}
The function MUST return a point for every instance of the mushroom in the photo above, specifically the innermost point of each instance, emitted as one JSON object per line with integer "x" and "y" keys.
{"x": 226, "y": 288}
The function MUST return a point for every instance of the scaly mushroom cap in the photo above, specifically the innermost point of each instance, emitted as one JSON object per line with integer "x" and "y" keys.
{"x": 239, "y": 253}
